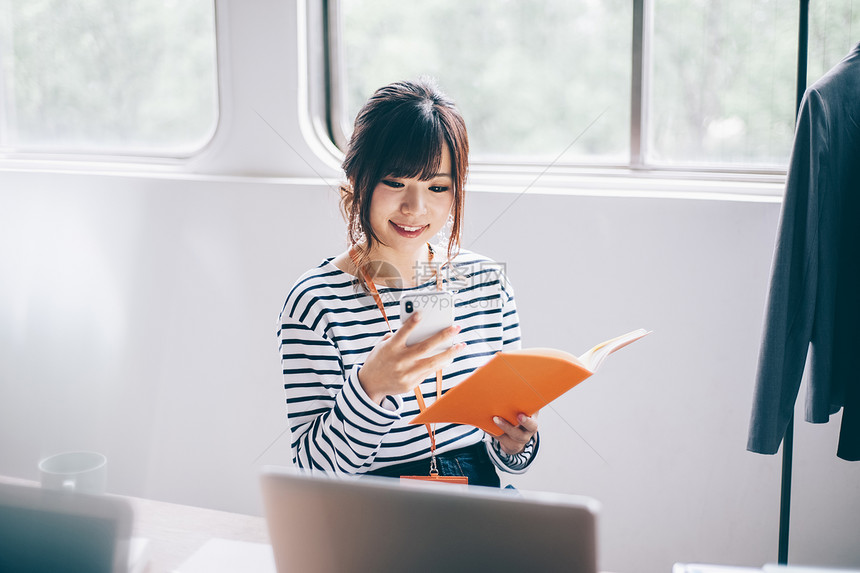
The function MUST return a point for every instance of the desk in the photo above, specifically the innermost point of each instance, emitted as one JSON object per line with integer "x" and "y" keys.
{"x": 176, "y": 531}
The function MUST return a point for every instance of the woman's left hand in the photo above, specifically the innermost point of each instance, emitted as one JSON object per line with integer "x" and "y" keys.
{"x": 515, "y": 438}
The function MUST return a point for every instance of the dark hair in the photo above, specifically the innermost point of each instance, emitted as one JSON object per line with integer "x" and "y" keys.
{"x": 400, "y": 132}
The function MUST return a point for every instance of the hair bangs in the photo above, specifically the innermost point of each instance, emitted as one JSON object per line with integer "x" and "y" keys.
{"x": 414, "y": 151}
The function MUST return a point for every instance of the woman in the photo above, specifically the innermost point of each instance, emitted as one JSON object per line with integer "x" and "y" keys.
{"x": 349, "y": 378}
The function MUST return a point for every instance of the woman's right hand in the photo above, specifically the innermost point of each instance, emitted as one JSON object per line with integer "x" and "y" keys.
{"x": 393, "y": 368}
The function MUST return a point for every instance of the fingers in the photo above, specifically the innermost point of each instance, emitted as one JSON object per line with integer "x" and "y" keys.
{"x": 407, "y": 366}
{"x": 515, "y": 438}
{"x": 442, "y": 359}
{"x": 525, "y": 429}
{"x": 403, "y": 367}
{"x": 428, "y": 344}
{"x": 436, "y": 340}
{"x": 528, "y": 424}
{"x": 408, "y": 327}
{"x": 503, "y": 424}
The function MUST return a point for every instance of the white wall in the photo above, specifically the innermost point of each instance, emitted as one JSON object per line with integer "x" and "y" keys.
{"x": 138, "y": 316}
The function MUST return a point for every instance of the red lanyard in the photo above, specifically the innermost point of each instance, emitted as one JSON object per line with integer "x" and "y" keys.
{"x": 421, "y": 406}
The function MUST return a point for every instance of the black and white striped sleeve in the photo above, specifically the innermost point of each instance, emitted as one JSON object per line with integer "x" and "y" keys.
{"x": 335, "y": 426}
{"x": 517, "y": 463}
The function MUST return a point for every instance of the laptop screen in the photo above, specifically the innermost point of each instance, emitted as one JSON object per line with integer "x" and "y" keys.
{"x": 327, "y": 524}
{"x": 42, "y": 530}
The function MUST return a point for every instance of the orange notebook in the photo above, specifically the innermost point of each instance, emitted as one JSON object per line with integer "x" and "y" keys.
{"x": 518, "y": 381}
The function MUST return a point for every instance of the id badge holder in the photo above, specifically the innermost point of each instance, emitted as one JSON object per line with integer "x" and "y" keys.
{"x": 460, "y": 480}
{"x": 434, "y": 476}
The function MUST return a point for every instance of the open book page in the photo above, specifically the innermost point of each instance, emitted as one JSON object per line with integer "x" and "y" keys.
{"x": 549, "y": 352}
{"x": 594, "y": 357}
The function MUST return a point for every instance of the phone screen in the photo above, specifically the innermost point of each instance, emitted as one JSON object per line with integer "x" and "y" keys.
{"x": 437, "y": 313}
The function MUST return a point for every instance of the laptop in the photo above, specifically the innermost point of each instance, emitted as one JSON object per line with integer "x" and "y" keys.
{"x": 320, "y": 523}
{"x": 47, "y": 530}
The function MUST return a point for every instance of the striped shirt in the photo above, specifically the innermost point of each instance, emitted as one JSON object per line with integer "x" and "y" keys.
{"x": 329, "y": 325}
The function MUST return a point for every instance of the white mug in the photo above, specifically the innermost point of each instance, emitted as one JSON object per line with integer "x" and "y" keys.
{"x": 84, "y": 472}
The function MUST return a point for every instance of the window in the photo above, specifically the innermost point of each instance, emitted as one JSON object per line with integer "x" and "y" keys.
{"x": 533, "y": 79}
{"x": 137, "y": 77}
{"x": 557, "y": 81}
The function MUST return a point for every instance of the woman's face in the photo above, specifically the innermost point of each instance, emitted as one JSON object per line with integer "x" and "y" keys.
{"x": 406, "y": 213}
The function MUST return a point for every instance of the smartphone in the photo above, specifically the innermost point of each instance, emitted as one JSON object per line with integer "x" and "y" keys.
{"x": 437, "y": 313}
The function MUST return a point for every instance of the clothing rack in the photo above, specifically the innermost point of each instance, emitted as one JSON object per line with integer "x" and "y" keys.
{"x": 788, "y": 438}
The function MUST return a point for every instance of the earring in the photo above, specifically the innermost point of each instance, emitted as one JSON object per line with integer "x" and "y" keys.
{"x": 444, "y": 234}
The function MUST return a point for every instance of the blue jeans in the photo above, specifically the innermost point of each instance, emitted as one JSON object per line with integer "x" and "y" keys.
{"x": 473, "y": 462}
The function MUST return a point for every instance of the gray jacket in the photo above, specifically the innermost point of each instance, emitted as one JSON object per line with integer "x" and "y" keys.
{"x": 814, "y": 293}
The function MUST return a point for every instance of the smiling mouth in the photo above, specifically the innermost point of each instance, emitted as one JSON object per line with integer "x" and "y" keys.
{"x": 407, "y": 231}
